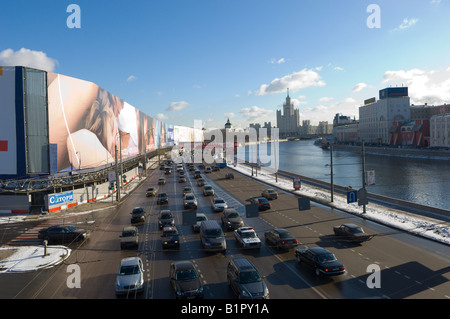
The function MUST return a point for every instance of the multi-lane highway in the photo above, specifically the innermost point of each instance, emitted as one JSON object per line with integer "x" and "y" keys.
{"x": 409, "y": 267}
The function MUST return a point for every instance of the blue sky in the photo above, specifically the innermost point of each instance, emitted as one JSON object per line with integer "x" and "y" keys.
{"x": 186, "y": 60}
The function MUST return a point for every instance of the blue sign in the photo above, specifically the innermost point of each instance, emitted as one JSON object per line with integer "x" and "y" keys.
{"x": 352, "y": 196}
{"x": 60, "y": 198}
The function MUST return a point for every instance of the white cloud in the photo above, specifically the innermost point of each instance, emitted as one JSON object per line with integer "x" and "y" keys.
{"x": 432, "y": 87}
{"x": 161, "y": 116}
{"x": 256, "y": 113}
{"x": 131, "y": 78}
{"x": 177, "y": 106}
{"x": 321, "y": 112}
{"x": 406, "y": 24}
{"x": 326, "y": 99}
{"x": 229, "y": 115}
{"x": 275, "y": 61}
{"x": 359, "y": 87}
{"x": 297, "y": 80}
{"x": 338, "y": 68}
{"x": 26, "y": 57}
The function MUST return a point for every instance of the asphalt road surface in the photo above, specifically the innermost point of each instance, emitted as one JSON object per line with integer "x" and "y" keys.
{"x": 409, "y": 267}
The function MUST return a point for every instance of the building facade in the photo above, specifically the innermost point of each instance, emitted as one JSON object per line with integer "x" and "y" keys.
{"x": 376, "y": 118}
{"x": 288, "y": 119}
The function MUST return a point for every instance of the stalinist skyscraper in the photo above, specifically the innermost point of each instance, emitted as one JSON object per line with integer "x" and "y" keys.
{"x": 288, "y": 123}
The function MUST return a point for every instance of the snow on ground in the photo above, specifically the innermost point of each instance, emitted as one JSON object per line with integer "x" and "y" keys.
{"x": 422, "y": 226}
{"x": 29, "y": 258}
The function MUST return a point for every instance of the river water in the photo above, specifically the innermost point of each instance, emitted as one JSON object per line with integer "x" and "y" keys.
{"x": 422, "y": 181}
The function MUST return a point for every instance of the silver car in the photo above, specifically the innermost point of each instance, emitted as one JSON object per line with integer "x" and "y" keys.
{"x": 130, "y": 278}
{"x": 218, "y": 204}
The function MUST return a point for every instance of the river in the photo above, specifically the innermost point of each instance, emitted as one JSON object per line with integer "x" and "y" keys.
{"x": 422, "y": 181}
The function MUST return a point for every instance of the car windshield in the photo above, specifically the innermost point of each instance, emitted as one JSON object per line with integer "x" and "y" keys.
{"x": 129, "y": 233}
{"x": 129, "y": 270}
{"x": 219, "y": 201}
{"x": 208, "y": 187}
{"x": 247, "y": 277}
{"x": 138, "y": 211}
{"x": 356, "y": 230}
{"x": 248, "y": 234}
{"x": 271, "y": 191}
{"x": 285, "y": 235}
{"x": 171, "y": 232}
{"x": 186, "y": 274}
{"x": 217, "y": 232}
{"x": 263, "y": 201}
{"x": 162, "y": 195}
{"x": 233, "y": 215}
{"x": 189, "y": 197}
{"x": 326, "y": 258}
{"x": 166, "y": 216}
{"x": 201, "y": 218}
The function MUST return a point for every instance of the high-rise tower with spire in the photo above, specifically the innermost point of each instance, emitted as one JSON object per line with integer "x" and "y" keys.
{"x": 288, "y": 122}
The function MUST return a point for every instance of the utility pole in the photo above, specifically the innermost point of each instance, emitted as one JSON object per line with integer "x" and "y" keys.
{"x": 117, "y": 177}
{"x": 331, "y": 172}
{"x": 363, "y": 172}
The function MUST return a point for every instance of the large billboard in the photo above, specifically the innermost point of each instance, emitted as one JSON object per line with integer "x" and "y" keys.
{"x": 88, "y": 124}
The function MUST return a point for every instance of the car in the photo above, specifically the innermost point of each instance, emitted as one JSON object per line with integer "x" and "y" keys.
{"x": 261, "y": 202}
{"x": 231, "y": 219}
{"x": 218, "y": 204}
{"x": 170, "y": 237}
{"x": 186, "y": 190}
{"x": 208, "y": 190}
{"x": 162, "y": 181}
{"x": 185, "y": 280}
{"x": 229, "y": 176}
{"x": 182, "y": 179}
{"x": 280, "y": 239}
{"x": 151, "y": 191}
{"x": 162, "y": 167}
{"x": 197, "y": 174}
{"x": 245, "y": 280}
{"x": 352, "y": 232}
{"x": 212, "y": 237}
{"x": 199, "y": 218}
{"x": 247, "y": 237}
{"x": 201, "y": 182}
{"x": 129, "y": 237}
{"x": 63, "y": 233}
{"x": 208, "y": 169}
{"x": 216, "y": 168}
{"x": 190, "y": 201}
{"x": 270, "y": 194}
{"x": 162, "y": 198}
{"x": 168, "y": 171}
{"x": 165, "y": 218}
{"x": 130, "y": 277}
{"x": 321, "y": 260}
{"x": 137, "y": 215}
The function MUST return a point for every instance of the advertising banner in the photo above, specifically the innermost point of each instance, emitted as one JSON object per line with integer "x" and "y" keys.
{"x": 60, "y": 198}
{"x": 87, "y": 123}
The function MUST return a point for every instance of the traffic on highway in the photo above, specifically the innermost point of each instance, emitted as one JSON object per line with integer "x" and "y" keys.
{"x": 143, "y": 248}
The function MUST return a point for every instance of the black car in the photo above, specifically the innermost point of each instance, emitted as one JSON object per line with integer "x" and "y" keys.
{"x": 351, "y": 232}
{"x": 229, "y": 176}
{"x": 151, "y": 191}
{"x": 162, "y": 198}
{"x": 59, "y": 233}
{"x": 280, "y": 239}
{"x": 231, "y": 219}
{"x": 165, "y": 219}
{"x": 137, "y": 215}
{"x": 170, "y": 238}
{"x": 321, "y": 260}
{"x": 261, "y": 202}
{"x": 185, "y": 280}
{"x": 245, "y": 280}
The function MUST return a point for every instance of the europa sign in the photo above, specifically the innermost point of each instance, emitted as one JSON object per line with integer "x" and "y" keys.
{"x": 60, "y": 198}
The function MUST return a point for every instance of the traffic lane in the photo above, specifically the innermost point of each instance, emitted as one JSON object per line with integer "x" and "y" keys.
{"x": 282, "y": 282}
{"x": 318, "y": 231}
{"x": 279, "y": 216}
